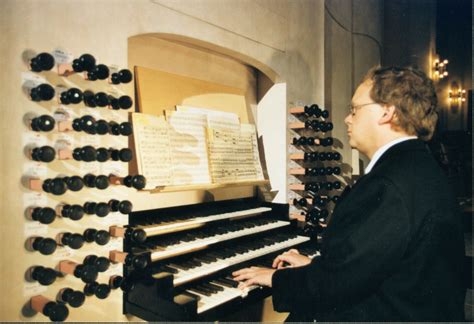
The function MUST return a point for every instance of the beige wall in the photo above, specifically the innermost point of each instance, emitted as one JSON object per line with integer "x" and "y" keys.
{"x": 285, "y": 39}
{"x": 353, "y": 32}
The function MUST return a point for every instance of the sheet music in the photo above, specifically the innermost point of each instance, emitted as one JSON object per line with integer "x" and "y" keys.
{"x": 188, "y": 147}
{"x": 151, "y": 134}
{"x": 234, "y": 155}
{"x": 215, "y": 119}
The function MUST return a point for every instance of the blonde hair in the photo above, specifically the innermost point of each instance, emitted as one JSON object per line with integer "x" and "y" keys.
{"x": 412, "y": 94}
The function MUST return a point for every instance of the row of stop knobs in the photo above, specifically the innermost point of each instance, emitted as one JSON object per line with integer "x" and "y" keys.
{"x": 86, "y": 153}
{"x": 58, "y": 311}
{"x": 59, "y": 185}
{"x": 86, "y": 123}
{"x": 46, "y": 215}
{"x": 87, "y": 271}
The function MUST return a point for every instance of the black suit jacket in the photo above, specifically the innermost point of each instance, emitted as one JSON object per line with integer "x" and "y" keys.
{"x": 393, "y": 250}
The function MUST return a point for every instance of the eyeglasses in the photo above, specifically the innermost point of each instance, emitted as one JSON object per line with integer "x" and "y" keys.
{"x": 352, "y": 109}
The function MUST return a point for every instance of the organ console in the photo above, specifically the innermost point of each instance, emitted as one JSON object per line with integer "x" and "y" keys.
{"x": 188, "y": 253}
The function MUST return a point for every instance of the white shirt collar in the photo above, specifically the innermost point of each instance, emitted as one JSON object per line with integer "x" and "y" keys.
{"x": 383, "y": 149}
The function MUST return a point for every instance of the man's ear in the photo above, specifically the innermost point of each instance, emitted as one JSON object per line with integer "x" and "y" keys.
{"x": 389, "y": 115}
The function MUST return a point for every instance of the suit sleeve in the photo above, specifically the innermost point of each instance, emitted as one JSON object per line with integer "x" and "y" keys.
{"x": 365, "y": 246}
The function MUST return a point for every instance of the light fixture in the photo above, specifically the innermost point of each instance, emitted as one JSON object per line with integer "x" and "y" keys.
{"x": 456, "y": 95}
{"x": 440, "y": 70}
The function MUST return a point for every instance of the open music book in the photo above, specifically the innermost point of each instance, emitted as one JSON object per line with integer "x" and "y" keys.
{"x": 190, "y": 146}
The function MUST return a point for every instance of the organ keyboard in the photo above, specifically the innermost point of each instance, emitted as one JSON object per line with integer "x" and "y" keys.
{"x": 192, "y": 250}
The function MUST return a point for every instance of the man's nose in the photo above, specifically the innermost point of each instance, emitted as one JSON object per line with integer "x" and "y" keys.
{"x": 348, "y": 119}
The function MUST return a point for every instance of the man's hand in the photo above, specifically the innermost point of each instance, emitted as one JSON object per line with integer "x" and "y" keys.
{"x": 291, "y": 258}
{"x": 254, "y": 276}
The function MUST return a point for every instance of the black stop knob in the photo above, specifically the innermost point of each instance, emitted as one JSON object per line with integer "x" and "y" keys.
{"x": 87, "y": 273}
{"x": 125, "y": 207}
{"x": 89, "y": 207}
{"x": 114, "y": 128}
{"x": 101, "y": 291}
{"x": 136, "y": 235}
{"x": 325, "y": 114}
{"x": 74, "y": 212}
{"x": 99, "y": 182}
{"x": 102, "y": 182}
{"x": 101, "y": 237}
{"x": 101, "y": 71}
{"x": 319, "y": 201}
{"x": 100, "y": 263}
{"x": 77, "y": 125}
{"x": 125, "y": 129}
{"x": 87, "y": 123}
{"x": 89, "y": 99}
{"x": 125, "y": 76}
{"x": 136, "y": 261}
{"x": 71, "y": 96}
{"x": 101, "y": 99}
{"x": 85, "y": 62}
{"x": 138, "y": 181}
{"x": 74, "y": 298}
{"x": 44, "y": 215}
{"x": 102, "y": 127}
{"x": 102, "y": 209}
{"x": 45, "y": 276}
{"x": 125, "y": 155}
{"x": 300, "y": 202}
{"x": 74, "y": 183}
{"x": 89, "y": 180}
{"x": 43, "y": 92}
{"x": 42, "y": 62}
{"x": 337, "y": 185}
{"x": 73, "y": 240}
{"x": 43, "y": 154}
{"x": 116, "y": 282}
{"x": 45, "y": 246}
{"x": 103, "y": 154}
{"x": 328, "y": 141}
{"x": 57, "y": 312}
{"x": 44, "y": 123}
{"x": 125, "y": 102}
{"x": 55, "y": 186}
{"x": 88, "y": 153}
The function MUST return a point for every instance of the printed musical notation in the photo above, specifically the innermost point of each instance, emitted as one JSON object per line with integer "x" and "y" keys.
{"x": 188, "y": 148}
{"x": 152, "y": 147}
{"x": 234, "y": 155}
{"x": 196, "y": 146}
